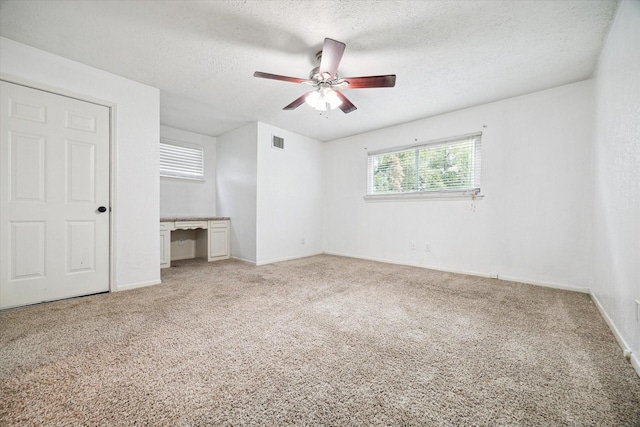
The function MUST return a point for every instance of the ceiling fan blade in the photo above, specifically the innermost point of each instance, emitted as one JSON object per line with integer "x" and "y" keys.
{"x": 298, "y": 102}
{"x": 388, "y": 80}
{"x": 279, "y": 77}
{"x": 346, "y": 106}
{"x": 331, "y": 55}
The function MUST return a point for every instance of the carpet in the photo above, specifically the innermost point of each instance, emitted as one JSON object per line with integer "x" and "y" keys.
{"x": 322, "y": 341}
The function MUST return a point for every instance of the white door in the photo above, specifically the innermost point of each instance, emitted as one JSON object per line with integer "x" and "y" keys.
{"x": 54, "y": 179}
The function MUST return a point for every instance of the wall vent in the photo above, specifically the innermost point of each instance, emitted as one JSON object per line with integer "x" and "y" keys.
{"x": 277, "y": 142}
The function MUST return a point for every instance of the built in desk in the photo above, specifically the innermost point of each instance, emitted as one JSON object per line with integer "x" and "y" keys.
{"x": 206, "y": 238}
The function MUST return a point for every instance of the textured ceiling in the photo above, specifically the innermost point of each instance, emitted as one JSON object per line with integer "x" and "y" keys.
{"x": 447, "y": 55}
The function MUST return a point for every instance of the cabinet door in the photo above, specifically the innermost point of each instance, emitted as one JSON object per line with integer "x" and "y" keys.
{"x": 165, "y": 248}
{"x": 219, "y": 240}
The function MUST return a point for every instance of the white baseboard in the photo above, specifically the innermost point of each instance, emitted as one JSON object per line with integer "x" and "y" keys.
{"x": 635, "y": 362}
{"x": 546, "y": 284}
{"x": 243, "y": 260}
{"x": 408, "y": 264}
{"x": 136, "y": 285}
{"x": 470, "y": 273}
{"x": 633, "y": 358}
{"x": 287, "y": 259}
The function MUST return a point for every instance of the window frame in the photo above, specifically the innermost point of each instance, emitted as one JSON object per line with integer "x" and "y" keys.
{"x": 440, "y": 193}
{"x": 189, "y": 172}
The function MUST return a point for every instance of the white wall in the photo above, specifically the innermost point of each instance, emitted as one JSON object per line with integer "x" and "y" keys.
{"x": 290, "y": 194}
{"x": 236, "y": 187}
{"x": 136, "y": 116}
{"x": 188, "y": 198}
{"x": 533, "y": 225}
{"x": 616, "y": 262}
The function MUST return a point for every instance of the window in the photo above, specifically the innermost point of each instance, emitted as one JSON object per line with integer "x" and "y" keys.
{"x": 180, "y": 160}
{"x": 444, "y": 167}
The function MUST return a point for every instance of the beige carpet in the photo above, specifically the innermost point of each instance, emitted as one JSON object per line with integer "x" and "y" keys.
{"x": 317, "y": 341}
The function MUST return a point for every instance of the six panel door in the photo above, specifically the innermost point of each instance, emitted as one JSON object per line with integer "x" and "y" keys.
{"x": 54, "y": 177}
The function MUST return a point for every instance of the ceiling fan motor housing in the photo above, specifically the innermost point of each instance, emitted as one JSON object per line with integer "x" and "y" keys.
{"x": 320, "y": 80}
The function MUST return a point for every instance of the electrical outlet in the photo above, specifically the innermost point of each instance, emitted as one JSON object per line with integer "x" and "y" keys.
{"x": 414, "y": 245}
{"x": 302, "y": 241}
{"x": 427, "y": 247}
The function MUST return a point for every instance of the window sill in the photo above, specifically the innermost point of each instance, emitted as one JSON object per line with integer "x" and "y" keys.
{"x": 426, "y": 195}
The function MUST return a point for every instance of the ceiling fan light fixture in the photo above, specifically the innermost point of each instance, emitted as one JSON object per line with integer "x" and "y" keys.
{"x": 323, "y": 99}
{"x": 332, "y": 99}
{"x": 313, "y": 98}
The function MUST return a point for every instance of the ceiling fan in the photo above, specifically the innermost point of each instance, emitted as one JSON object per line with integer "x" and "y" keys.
{"x": 326, "y": 81}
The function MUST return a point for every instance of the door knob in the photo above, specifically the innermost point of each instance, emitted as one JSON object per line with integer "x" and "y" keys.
{"x": 102, "y": 209}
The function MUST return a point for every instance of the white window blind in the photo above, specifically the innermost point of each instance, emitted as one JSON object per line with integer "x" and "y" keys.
{"x": 179, "y": 160}
{"x": 449, "y": 165}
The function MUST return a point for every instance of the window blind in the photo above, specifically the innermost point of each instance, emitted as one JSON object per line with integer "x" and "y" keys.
{"x": 447, "y": 165}
{"x": 178, "y": 160}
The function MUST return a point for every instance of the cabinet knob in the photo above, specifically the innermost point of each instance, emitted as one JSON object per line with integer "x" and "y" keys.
{"x": 102, "y": 209}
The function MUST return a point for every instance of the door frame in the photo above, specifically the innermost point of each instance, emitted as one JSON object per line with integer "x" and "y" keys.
{"x": 112, "y": 106}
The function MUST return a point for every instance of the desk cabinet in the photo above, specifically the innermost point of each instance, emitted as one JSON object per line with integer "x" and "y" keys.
{"x": 211, "y": 238}
{"x": 165, "y": 245}
{"x": 218, "y": 240}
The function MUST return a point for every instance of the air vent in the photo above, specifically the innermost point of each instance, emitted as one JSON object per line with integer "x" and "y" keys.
{"x": 277, "y": 142}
